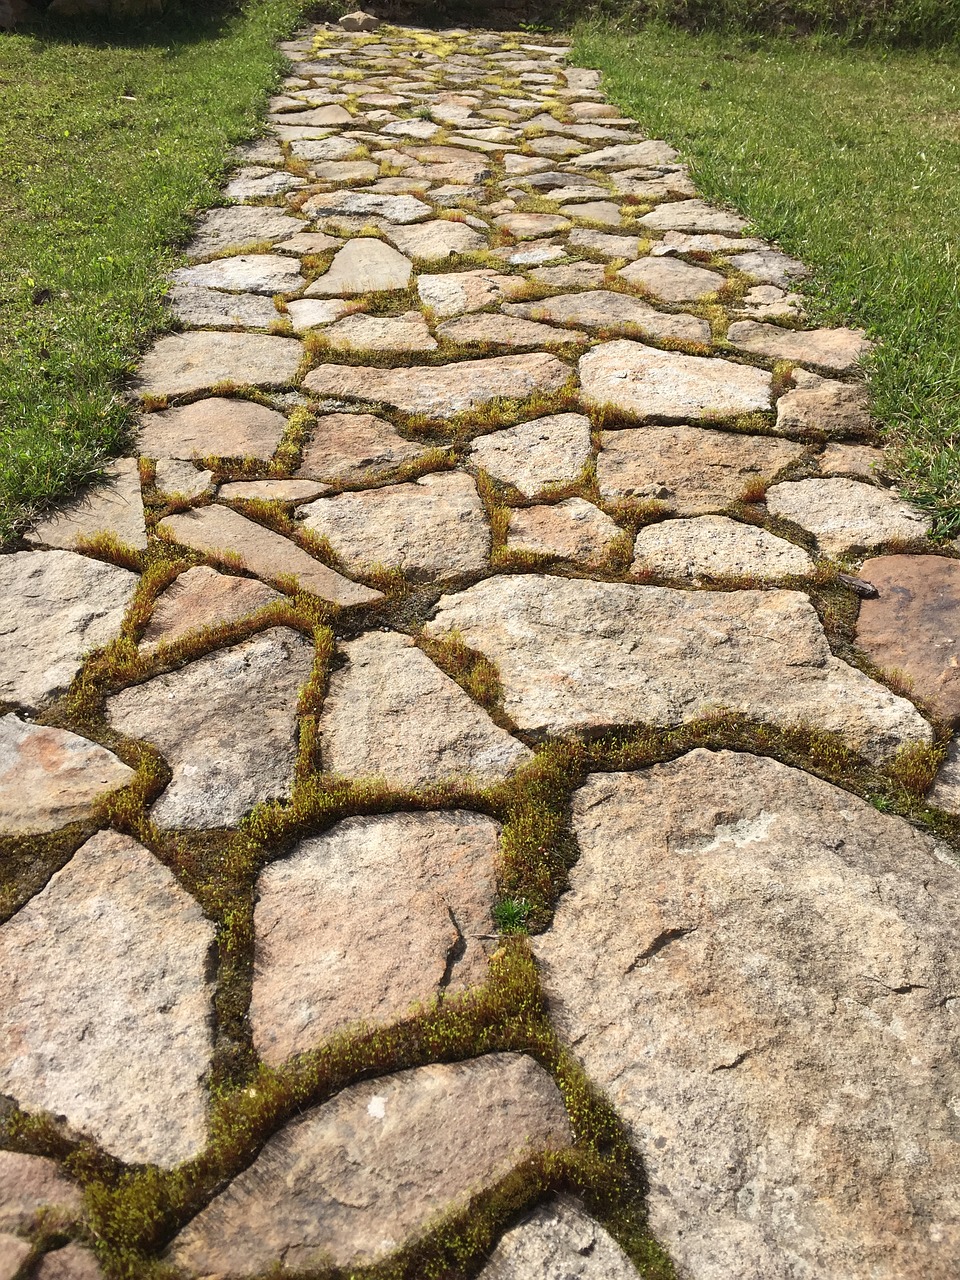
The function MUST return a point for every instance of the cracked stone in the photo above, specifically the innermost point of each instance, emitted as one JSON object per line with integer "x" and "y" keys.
{"x": 106, "y": 1003}
{"x": 713, "y": 547}
{"x": 31, "y": 1187}
{"x": 455, "y": 292}
{"x": 391, "y": 713}
{"x": 267, "y": 273}
{"x": 646, "y": 382}
{"x": 578, "y": 656}
{"x": 235, "y": 228}
{"x": 113, "y": 507}
{"x": 534, "y": 455}
{"x": 361, "y": 332}
{"x": 839, "y": 350}
{"x": 432, "y": 528}
{"x": 201, "y": 598}
{"x": 365, "y": 922}
{"x": 364, "y": 265}
{"x": 205, "y": 308}
{"x": 605, "y": 310}
{"x": 436, "y": 241}
{"x": 506, "y": 331}
{"x": 227, "y": 535}
{"x": 350, "y": 447}
{"x": 822, "y": 405}
{"x": 364, "y": 205}
{"x": 184, "y": 363}
{"x": 60, "y": 607}
{"x": 693, "y": 215}
{"x": 215, "y": 427}
{"x": 225, "y": 723}
{"x": 572, "y": 530}
{"x": 50, "y": 778}
{"x": 672, "y": 280}
{"x": 762, "y": 999}
{"x": 558, "y": 1241}
{"x": 847, "y": 516}
{"x": 425, "y": 1142}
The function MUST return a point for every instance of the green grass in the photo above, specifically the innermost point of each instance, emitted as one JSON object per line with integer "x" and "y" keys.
{"x": 850, "y": 159}
{"x": 106, "y": 146}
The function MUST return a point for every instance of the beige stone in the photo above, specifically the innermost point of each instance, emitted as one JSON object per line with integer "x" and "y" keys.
{"x": 533, "y": 455}
{"x": 771, "y": 266}
{"x": 528, "y": 226}
{"x": 177, "y": 477}
{"x": 347, "y": 448}
{"x": 848, "y": 517}
{"x": 455, "y": 292}
{"x": 613, "y": 313}
{"x": 13, "y": 1251}
{"x": 603, "y": 211}
{"x": 693, "y": 215}
{"x": 558, "y": 1241}
{"x": 312, "y": 313}
{"x": 201, "y": 308}
{"x": 506, "y": 331}
{"x": 572, "y": 275}
{"x": 267, "y": 273}
{"x": 74, "y": 1262}
{"x": 113, "y": 508}
{"x": 755, "y": 966}
{"x": 572, "y": 530}
{"x": 214, "y": 427}
{"x": 672, "y": 280}
{"x": 201, "y": 598}
{"x": 285, "y": 491}
{"x": 605, "y": 243}
{"x": 407, "y": 332}
{"x": 184, "y": 363}
{"x": 363, "y": 265}
{"x": 824, "y": 406}
{"x": 839, "y": 350}
{"x": 235, "y": 228}
{"x": 623, "y": 155}
{"x": 859, "y": 461}
{"x": 366, "y": 205}
{"x": 436, "y": 241}
{"x": 712, "y": 547}
{"x": 31, "y": 1187}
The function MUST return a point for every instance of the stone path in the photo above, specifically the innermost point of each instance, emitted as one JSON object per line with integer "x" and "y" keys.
{"x": 501, "y": 554}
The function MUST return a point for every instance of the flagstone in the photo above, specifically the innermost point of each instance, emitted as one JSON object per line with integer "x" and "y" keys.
{"x": 202, "y": 597}
{"x": 72, "y": 1262}
{"x": 312, "y": 313}
{"x": 693, "y": 215}
{"x": 184, "y": 363}
{"x": 770, "y": 266}
{"x": 711, "y": 547}
{"x": 455, "y": 292}
{"x": 572, "y": 530}
{"x": 111, "y": 507}
{"x": 366, "y": 205}
{"x": 604, "y": 243}
{"x": 346, "y": 448}
{"x": 214, "y": 427}
{"x": 235, "y": 228}
{"x": 506, "y": 331}
{"x": 824, "y": 406}
{"x": 671, "y": 279}
{"x": 859, "y": 461}
{"x": 558, "y": 1241}
{"x": 363, "y": 265}
{"x": 359, "y": 332}
{"x": 324, "y": 148}
{"x": 838, "y": 350}
{"x": 285, "y": 491}
{"x": 535, "y": 455}
{"x": 572, "y": 275}
{"x": 555, "y": 147}
{"x": 848, "y": 517}
{"x": 528, "y": 226}
{"x": 603, "y": 211}
{"x": 436, "y": 241}
{"x": 624, "y": 155}
{"x": 613, "y": 312}
{"x": 13, "y": 1250}
{"x": 255, "y": 183}
{"x": 33, "y": 1186}
{"x": 209, "y": 308}
{"x": 707, "y": 242}
{"x": 309, "y": 242}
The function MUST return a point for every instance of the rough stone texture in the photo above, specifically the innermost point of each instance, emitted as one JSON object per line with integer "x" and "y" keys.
{"x": 693, "y": 215}
{"x": 708, "y": 242}
{"x": 771, "y": 266}
{"x": 105, "y": 1003}
{"x": 437, "y": 240}
{"x": 445, "y": 389}
{"x": 31, "y": 1186}
{"x": 945, "y": 793}
{"x": 716, "y": 547}
{"x": 114, "y": 508}
{"x": 534, "y": 455}
{"x": 823, "y": 405}
{"x": 767, "y": 302}
{"x": 368, "y": 920}
{"x": 602, "y": 242}
{"x": 399, "y": 209}
{"x": 847, "y": 516}
{"x": 764, "y": 998}
{"x": 506, "y": 331}
{"x": 672, "y": 280}
{"x": 913, "y": 626}
{"x": 209, "y": 308}
{"x": 73, "y": 1262}
{"x": 221, "y": 229}
{"x": 421, "y": 1143}
{"x": 528, "y": 226}
{"x": 200, "y": 598}
{"x": 576, "y": 655}
{"x": 459, "y": 291}
{"x": 645, "y": 382}
{"x": 691, "y": 469}
{"x": 363, "y": 266}
{"x": 214, "y": 427}
{"x": 285, "y": 491}
{"x": 859, "y": 461}
{"x": 49, "y": 777}
{"x": 267, "y": 273}
{"x": 572, "y": 275}
{"x": 839, "y": 350}
{"x": 226, "y": 725}
{"x": 573, "y": 530}
{"x": 391, "y": 713}
{"x": 13, "y": 1251}
{"x": 623, "y": 155}
{"x": 225, "y": 534}
{"x": 432, "y": 528}
{"x": 310, "y": 313}
{"x": 407, "y": 332}
{"x": 58, "y": 607}
{"x": 359, "y": 21}
{"x": 558, "y": 1241}
{"x": 349, "y": 447}
{"x": 184, "y": 363}
{"x": 614, "y": 313}
{"x": 176, "y": 476}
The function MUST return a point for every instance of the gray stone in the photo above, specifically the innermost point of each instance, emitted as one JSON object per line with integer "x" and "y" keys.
{"x": 535, "y": 455}
{"x": 105, "y": 1003}
{"x": 364, "y": 265}
{"x": 824, "y": 406}
{"x": 839, "y": 350}
{"x": 209, "y": 308}
{"x": 613, "y": 313}
{"x": 506, "y": 331}
{"x": 359, "y": 332}
{"x": 349, "y": 447}
{"x": 323, "y": 148}
{"x": 531, "y": 255}
{"x": 268, "y": 273}
{"x": 391, "y": 713}
{"x": 579, "y": 78}
{"x": 321, "y": 117}
{"x": 113, "y": 508}
{"x": 363, "y": 204}
{"x": 572, "y": 530}
{"x": 226, "y": 535}
{"x": 623, "y": 155}
{"x": 693, "y": 215}
{"x": 762, "y": 997}
{"x": 558, "y": 1241}
{"x": 645, "y": 382}
{"x": 238, "y": 228}
{"x": 421, "y": 130}
{"x": 520, "y": 165}
{"x": 672, "y": 280}
{"x": 572, "y": 275}
{"x": 31, "y": 1188}
{"x": 603, "y": 211}
{"x": 215, "y": 427}
{"x": 256, "y": 183}
{"x": 436, "y": 241}
{"x": 59, "y": 606}
{"x": 847, "y": 516}
{"x": 176, "y": 476}
{"x": 310, "y": 313}
{"x": 767, "y": 302}
{"x": 74, "y": 1262}
{"x": 660, "y": 187}
{"x": 444, "y": 389}
{"x": 712, "y": 547}
{"x": 49, "y": 777}
{"x": 309, "y": 242}
{"x": 432, "y": 528}
{"x": 708, "y": 242}
{"x": 226, "y": 724}
{"x": 184, "y": 363}
{"x": 455, "y": 292}
{"x": 770, "y": 266}
{"x": 363, "y": 923}
{"x": 577, "y": 656}
{"x": 202, "y": 598}
{"x": 341, "y": 171}
{"x": 422, "y": 1143}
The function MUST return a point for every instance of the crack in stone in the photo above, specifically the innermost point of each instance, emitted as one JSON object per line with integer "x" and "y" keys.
{"x": 661, "y": 941}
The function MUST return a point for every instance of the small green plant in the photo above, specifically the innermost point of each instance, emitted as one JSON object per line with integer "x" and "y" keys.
{"x": 511, "y": 915}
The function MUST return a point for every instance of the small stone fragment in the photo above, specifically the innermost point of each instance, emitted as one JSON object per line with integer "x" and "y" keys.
{"x": 364, "y": 265}
{"x": 455, "y": 292}
{"x": 268, "y": 273}
{"x": 432, "y": 528}
{"x": 105, "y": 1003}
{"x": 693, "y": 215}
{"x": 713, "y": 547}
{"x": 672, "y": 280}
{"x": 31, "y": 1186}
{"x": 113, "y": 507}
{"x": 767, "y": 302}
{"x": 350, "y": 447}
{"x": 214, "y": 427}
{"x": 613, "y": 313}
{"x": 359, "y": 21}
{"x": 436, "y": 241}
{"x": 226, "y": 725}
{"x": 177, "y": 477}
{"x": 572, "y": 530}
{"x": 73, "y": 1262}
{"x": 309, "y": 242}
{"x": 391, "y": 713}
{"x": 534, "y": 455}
{"x": 422, "y": 1143}
{"x": 368, "y": 920}
{"x": 184, "y": 363}
{"x": 506, "y": 331}
{"x": 201, "y": 598}
{"x": 360, "y": 332}
{"x": 822, "y": 405}
{"x": 847, "y": 517}
{"x": 225, "y": 534}
{"x": 839, "y": 350}
{"x": 58, "y": 607}
{"x": 558, "y": 1241}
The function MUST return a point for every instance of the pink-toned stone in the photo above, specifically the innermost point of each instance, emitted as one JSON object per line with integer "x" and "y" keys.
{"x": 184, "y": 363}
{"x": 31, "y": 1186}
{"x": 572, "y": 530}
{"x": 349, "y": 447}
{"x": 214, "y": 427}
{"x": 200, "y": 598}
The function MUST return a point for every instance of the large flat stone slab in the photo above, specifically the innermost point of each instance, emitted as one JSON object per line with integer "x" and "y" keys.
{"x": 534, "y": 455}
{"x": 58, "y": 606}
{"x": 349, "y": 447}
{"x": 495, "y": 330}
{"x": 407, "y": 332}
{"x": 645, "y": 382}
{"x": 432, "y": 528}
{"x": 267, "y": 273}
{"x": 106, "y": 1003}
{"x": 237, "y": 228}
{"x": 693, "y": 215}
{"x": 184, "y": 363}
{"x": 201, "y": 598}
{"x": 763, "y": 997}
{"x": 226, "y": 725}
{"x": 454, "y": 292}
{"x": 365, "y": 265}
{"x": 363, "y": 204}
{"x": 848, "y": 516}
{"x": 692, "y": 470}
{"x": 577, "y": 656}
{"x": 672, "y": 280}
{"x": 49, "y": 777}
{"x": 444, "y": 389}
{"x": 421, "y": 1143}
{"x": 653, "y": 153}
{"x": 214, "y": 427}
{"x": 391, "y": 713}
{"x": 113, "y": 508}
{"x": 839, "y": 350}
{"x": 437, "y": 240}
{"x": 200, "y": 308}
{"x": 824, "y": 406}
{"x": 364, "y": 922}
{"x": 558, "y": 1241}
{"x": 226, "y": 535}
{"x": 711, "y": 547}
{"x": 613, "y": 313}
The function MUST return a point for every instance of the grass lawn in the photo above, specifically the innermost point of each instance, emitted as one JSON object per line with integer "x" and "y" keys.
{"x": 105, "y": 148}
{"x": 850, "y": 158}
